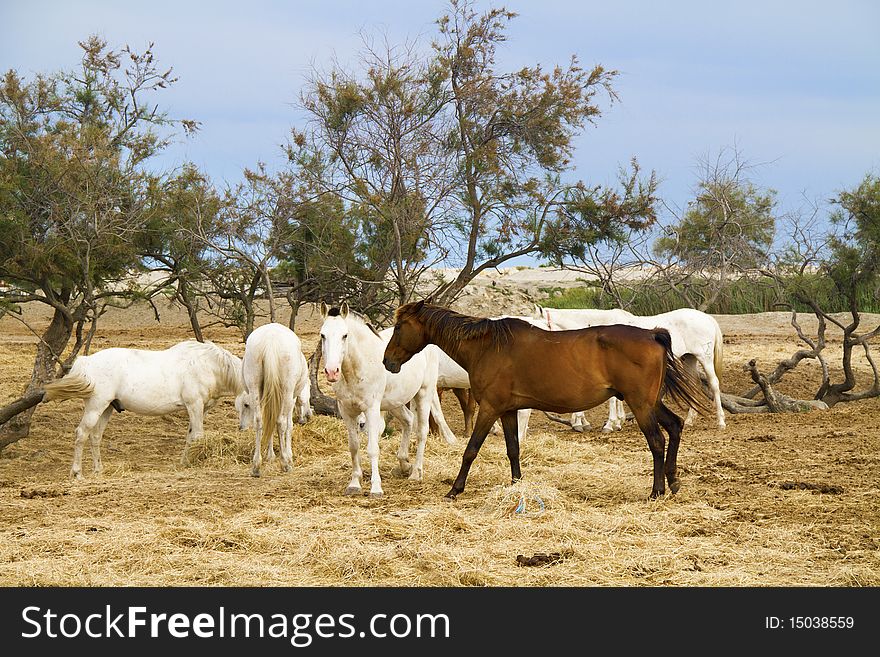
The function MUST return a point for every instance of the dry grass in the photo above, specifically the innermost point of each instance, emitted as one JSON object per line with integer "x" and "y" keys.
{"x": 148, "y": 521}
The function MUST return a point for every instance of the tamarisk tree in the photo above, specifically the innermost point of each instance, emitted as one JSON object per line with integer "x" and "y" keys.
{"x": 73, "y": 197}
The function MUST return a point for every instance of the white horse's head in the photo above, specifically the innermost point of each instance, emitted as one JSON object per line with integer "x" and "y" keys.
{"x": 334, "y": 337}
{"x": 246, "y": 408}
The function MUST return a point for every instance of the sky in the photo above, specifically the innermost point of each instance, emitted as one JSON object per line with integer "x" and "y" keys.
{"x": 793, "y": 86}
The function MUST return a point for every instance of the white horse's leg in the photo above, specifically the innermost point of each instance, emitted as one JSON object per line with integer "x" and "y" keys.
{"x": 579, "y": 422}
{"x": 257, "y": 459}
{"x": 440, "y": 419}
{"x": 621, "y": 414}
{"x": 196, "y": 430}
{"x": 375, "y": 426}
{"x": 304, "y": 411}
{"x": 352, "y": 423}
{"x": 91, "y": 417}
{"x": 522, "y": 423}
{"x": 714, "y": 385}
{"x": 95, "y": 439}
{"x": 608, "y": 427}
{"x": 406, "y": 418}
{"x": 285, "y": 433}
{"x": 422, "y": 409}
{"x": 690, "y": 364}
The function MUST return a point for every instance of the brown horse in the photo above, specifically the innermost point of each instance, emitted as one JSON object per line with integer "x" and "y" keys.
{"x": 513, "y": 364}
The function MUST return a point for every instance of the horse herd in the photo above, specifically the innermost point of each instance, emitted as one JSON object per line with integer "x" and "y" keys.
{"x": 560, "y": 361}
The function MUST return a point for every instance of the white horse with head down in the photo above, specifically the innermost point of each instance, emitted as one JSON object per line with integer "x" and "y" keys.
{"x": 276, "y": 378}
{"x": 353, "y": 352}
{"x": 696, "y": 339}
{"x": 190, "y": 375}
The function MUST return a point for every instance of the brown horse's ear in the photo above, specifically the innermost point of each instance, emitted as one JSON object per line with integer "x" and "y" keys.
{"x": 324, "y": 310}
{"x": 343, "y": 310}
{"x": 430, "y": 300}
{"x": 419, "y": 305}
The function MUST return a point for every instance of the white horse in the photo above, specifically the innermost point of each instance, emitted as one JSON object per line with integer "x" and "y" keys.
{"x": 353, "y": 353}
{"x": 276, "y": 378}
{"x": 190, "y": 375}
{"x": 696, "y": 338}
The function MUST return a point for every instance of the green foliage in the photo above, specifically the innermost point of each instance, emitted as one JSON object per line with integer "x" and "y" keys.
{"x": 854, "y": 262}
{"x": 73, "y": 194}
{"x": 728, "y": 222}
{"x": 739, "y": 296}
{"x": 587, "y": 217}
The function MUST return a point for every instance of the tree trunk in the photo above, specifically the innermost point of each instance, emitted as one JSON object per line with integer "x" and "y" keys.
{"x": 49, "y": 350}
{"x": 185, "y": 297}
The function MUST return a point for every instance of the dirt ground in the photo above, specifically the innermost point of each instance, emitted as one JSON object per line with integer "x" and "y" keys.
{"x": 773, "y": 500}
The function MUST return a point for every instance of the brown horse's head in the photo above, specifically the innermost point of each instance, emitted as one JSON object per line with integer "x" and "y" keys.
{"x": 408, "y": 338}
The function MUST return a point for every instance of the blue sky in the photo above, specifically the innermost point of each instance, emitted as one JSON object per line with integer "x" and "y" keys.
{"x": 795, "y": 85}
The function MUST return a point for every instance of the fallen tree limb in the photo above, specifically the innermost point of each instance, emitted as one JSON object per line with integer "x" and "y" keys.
{"x": 773, "y": 402}
{"x": 557, "y": 418}
{"x": 9, "y": 435}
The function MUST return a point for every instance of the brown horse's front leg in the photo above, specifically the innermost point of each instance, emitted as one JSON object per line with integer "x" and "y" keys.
{"x": 509, "y": 423}
{"x": 485, "y": 420}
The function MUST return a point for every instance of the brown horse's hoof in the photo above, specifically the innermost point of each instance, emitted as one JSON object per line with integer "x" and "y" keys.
{"x": 657, "y": 494}
{"x": 451, "y": 495}
{"x": 674, "y": 486}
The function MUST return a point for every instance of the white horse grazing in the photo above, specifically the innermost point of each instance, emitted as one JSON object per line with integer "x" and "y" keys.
{"x": 696, "y": 338}
{"x": 353, "y": 353}
{"x": 276, "y": 378}
{"x": 190, "y": 375}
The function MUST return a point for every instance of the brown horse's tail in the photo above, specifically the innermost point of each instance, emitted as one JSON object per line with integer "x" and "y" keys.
{"x": 678, "y": 382}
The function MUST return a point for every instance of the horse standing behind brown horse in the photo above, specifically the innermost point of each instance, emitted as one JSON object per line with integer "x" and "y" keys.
{"x": 513, "y": 364}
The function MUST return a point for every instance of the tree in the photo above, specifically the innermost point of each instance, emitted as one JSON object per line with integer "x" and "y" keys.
{"x": 373, "y": 140}
{"x": 512, "y": 135}
{"x": 454, "y": 162}
{"x": 725, "y": 231}
{"x": 73, "y": 196}
{"x": 819, "y": 268}
{"x": 317, "y": 256}
{"x": 242, "y": 244}
{"x": 183, "y": 205}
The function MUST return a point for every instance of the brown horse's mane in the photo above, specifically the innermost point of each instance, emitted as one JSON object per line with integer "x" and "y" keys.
{"x": 451, "y": 326}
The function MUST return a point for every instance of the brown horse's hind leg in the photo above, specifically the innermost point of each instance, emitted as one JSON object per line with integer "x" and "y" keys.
{"x": 646, "y": 418}
{"x": 673, "y": 424}
{"x": 511, "y": 439}
{"x": 485, "y": 420}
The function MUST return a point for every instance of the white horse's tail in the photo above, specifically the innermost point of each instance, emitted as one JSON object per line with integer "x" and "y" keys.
{"x": 271, "y": 386}
{"x": 75, "y": 385}
{"x": 719, "y": 351}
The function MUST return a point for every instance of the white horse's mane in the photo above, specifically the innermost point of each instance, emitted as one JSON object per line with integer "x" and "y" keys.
{"x": 230, "y": 364}
{"x": 363, "y": 319}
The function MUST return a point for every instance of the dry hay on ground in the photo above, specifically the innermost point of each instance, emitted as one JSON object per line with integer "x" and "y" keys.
{"x": 775, "y": 500}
